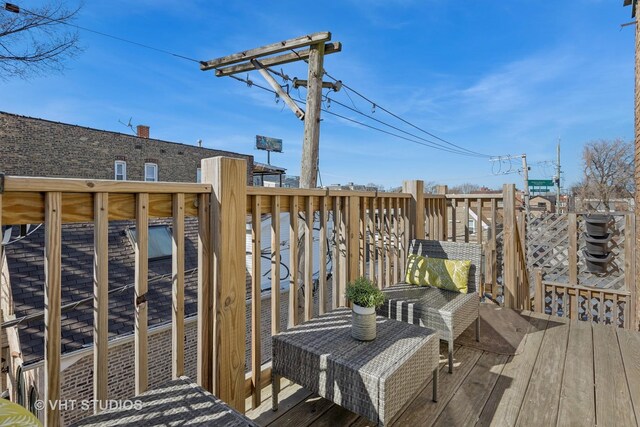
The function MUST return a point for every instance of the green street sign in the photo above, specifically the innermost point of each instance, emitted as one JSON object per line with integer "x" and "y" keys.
{"x": 540, "y": 190}
{"x": 540, "y": 183}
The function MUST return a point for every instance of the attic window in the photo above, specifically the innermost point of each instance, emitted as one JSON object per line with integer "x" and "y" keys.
{"x": 160, "y": 240}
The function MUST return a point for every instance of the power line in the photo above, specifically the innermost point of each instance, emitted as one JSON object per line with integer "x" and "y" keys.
{"x": 428, "y": 143}
{"x": 145, "y": 46}
{"x": 435, "y": 144}
{"x": 377, "y": 105}
{"x": 251, "y": 83}
{"x": 329, "y": 100}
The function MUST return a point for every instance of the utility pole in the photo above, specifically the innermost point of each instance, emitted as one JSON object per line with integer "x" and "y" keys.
{"x": 525, "y": 175}
{"x": 311, "y": 142}
{"x": 558, "y": 178}
{"x": 262, "y": 58}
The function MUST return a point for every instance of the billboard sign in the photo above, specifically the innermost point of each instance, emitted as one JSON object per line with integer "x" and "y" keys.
{"x": 541, "y": 183}
{"x": 268, "y": 144}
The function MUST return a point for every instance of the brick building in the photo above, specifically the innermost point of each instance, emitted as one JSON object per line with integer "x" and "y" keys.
{"x": 38, "y": 147}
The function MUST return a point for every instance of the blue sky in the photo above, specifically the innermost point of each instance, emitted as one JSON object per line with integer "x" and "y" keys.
{"x": 493, "y": 76}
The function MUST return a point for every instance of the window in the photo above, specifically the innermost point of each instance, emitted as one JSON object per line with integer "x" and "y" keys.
{"x": 150, "y": 172}
{"x": 160, "y": 240}
{"x": 542, "y": 205}
{"x": 472, "y": 226}
{"x": 19, "y": 386}
{"x": 121, "y": 170}
{"x": 33, "y": 397}
{"x": 198, "y": 175}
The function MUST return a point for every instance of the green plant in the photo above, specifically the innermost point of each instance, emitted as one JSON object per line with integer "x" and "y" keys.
{"x": 364, "y": 293}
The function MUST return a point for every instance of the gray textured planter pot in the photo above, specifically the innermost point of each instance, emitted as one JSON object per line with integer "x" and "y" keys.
{"x": 363, "y": 323}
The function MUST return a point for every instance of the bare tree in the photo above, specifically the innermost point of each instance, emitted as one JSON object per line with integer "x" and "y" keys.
{"x": 36, "y": 41}
{"x": 466, "y": 188}
{"x": 608, "y": 172}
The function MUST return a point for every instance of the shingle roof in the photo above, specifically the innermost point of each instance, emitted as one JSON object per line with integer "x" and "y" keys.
{"x": 26, "y": 267}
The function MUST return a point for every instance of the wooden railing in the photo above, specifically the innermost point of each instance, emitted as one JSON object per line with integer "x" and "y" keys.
{"x": 358, "y": 234}
{"x": 606, "y": 306}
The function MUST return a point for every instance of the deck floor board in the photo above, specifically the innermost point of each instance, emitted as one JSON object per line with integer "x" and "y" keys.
{"x": 563, "y": 373}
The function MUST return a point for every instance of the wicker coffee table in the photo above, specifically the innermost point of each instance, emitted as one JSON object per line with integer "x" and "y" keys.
{"x": 375, "y": 379}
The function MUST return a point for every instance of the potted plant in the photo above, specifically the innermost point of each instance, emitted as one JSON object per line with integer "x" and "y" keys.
{"x": 366, "y": 297}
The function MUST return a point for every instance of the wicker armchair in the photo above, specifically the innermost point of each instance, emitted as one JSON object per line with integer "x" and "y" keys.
{"x": 445, "y": 311}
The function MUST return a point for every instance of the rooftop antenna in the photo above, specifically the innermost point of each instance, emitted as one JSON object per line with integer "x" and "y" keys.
{"x": 129, "y": 125}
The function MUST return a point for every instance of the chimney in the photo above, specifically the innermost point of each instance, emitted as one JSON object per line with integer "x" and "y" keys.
{"x": 143, "y": 131}
{"x": 199, "y": 143}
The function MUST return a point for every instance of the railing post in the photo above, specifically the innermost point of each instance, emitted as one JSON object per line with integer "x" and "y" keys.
{"x": 228, "y": 219}
{"x": 510, "y": 284}
{"x": 416, "y": 208}
{"x": 632, "y": 316}
{"x": 444, "y": 215}
{"x": 52, "y": 313}
{"x": 539, "y": 291}
{"x": 353, "y": 239}
{"x": 573, "y": 248}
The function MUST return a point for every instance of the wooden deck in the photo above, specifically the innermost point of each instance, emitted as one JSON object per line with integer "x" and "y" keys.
{"x": 557, "y": 373}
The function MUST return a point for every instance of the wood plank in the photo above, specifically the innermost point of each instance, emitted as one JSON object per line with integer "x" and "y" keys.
{"x": 305, "y": 412}
{"x": 387, "y": 246}
{"x": 269, "y": 49}
{"x": 379, "y": 243}
{"x": 335, "y": 260}
{"x": 469, "y": 400}
{"x": 454, "y": 219}
{"x": 293, "y": 261}
{"x": 546, "y": 378}
{"x": 278, "y": 89}
{"x": 510, "y": 288}
{"x": 396, "y": 241}
{"x": 100, "y": 298}
{"x": 343, "y": 254}
{"x": 322, "y": 256}
{"x": 362, "y": 263}
{"x": 372, "y": 238}
{"x": 335, "y": 416}
{"x": 204, "y": 345}
{"x": 141, "y": 247}
{"x": 613, "y": 400}
{"x": 289, "y": 397}
{"x": 630, "y": 282}
{"x": 423, "y": 411}
{"x": 2, "y": 261}
{"x": 416, "y": 208}
{"x": 52, "y": 301}
{"x": 573, "y": 248}
{"x": 353, "y": 234}
{"x": 177, "y": 292}
{"x": 72, "y": 185}
{"x": 577, "y": 405}
{"x": 256, "y": 293}
{"x": 228, "y": 178}
{"x": 308, "y": 259}
{"x": 465, "y": 219}
{"x": 28, "y": 207}
{"x": 629, "y": 342}
{"x": 479, "y": 223}
{"x": 275, "y": 265}
{"x": 329, "y": 48}
{"x": 504, "y": 403}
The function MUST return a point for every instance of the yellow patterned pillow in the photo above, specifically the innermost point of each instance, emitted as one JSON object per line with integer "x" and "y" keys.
{"x": 449, "y": 274}
{"x": 417, "y": 270}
